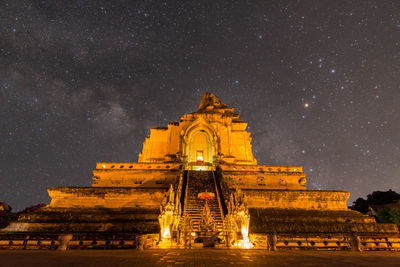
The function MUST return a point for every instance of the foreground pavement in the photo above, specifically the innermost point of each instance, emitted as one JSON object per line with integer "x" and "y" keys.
{"x": 196, "y": 257}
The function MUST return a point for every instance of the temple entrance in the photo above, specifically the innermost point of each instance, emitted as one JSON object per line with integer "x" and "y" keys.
{"x": 200, "y": 151}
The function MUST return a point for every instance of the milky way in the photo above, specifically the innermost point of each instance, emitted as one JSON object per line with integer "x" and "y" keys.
{"x": 83, "y": 82}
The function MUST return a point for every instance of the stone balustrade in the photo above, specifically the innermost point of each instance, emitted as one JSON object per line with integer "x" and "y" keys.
{"x": 32, "y": 241}
{"x": 262, "y": 168}
{"x": 136, "y": 166}
{"x": 326, "y": 242}
{"x": 173, "y": 166}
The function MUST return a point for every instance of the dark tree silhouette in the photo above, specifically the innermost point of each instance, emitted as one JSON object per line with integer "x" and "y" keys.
{"x": 5, "y": 212}
{"x": 375, "y": 198}
{"x": 360, "y": 205}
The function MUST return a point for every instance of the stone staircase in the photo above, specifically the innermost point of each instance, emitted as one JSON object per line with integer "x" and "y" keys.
{"x": 197, "y": 182}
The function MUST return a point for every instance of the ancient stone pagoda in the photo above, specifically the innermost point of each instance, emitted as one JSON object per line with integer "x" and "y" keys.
{"x": 196, "y": 184}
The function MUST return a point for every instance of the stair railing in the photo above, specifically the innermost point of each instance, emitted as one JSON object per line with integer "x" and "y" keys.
{"x": 186, "y": 191}
{"x": 182, "y": 187}
{"x": 218, "y": 197}
{"x": 185, "y": 199}
{"x": 180, "y": 183}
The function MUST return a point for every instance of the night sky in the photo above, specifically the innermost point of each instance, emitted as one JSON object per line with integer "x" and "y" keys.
{"x": 83, "y": 82}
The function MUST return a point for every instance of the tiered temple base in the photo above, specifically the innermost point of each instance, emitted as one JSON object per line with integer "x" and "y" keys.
{"x": 128, "y": 217}
{"x": 95, "y": 217}
{"x": 313, "y": 229}
{"x": 310, "y": 219}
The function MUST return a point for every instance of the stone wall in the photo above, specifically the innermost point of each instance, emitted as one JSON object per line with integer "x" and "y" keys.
{"x": 105, "y": 197}
{"x": 296, "y": 199}
{"x": 112, "y": 174}
{"x": 264, "y": 177}
{"x": 89, "y": 220}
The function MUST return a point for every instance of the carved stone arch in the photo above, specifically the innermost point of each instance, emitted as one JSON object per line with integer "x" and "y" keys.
{"x": 199, "y": 126}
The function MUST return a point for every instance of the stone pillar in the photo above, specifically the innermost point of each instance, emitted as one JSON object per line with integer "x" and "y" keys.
{"x": 140, "y": 239}
{"x": 272, "y": 240}
{"x": 356, "y": 243}
{"x": 229, "y": 239}
{"x": 64, "y": 241}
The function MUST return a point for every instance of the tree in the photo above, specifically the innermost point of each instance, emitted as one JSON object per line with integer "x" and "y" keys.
{"x": 5, "y": 212}
{"x": 388, "y": 215}
{"x": 4, "y": 221}
{"x": 381, "y": 198}
{"x": 375, "y": 198}
{"x": 360, "y": 205}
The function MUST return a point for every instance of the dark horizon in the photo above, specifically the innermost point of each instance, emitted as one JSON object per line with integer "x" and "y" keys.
{"x": 83, "y": 82}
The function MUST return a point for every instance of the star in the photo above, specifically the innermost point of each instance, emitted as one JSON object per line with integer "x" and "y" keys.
{"x": 95, "y": 78}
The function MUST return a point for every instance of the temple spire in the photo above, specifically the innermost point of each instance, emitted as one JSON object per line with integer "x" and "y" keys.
{"x": 210, "y": 101}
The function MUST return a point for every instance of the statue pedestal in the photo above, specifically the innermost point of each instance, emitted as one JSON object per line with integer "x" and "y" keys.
{"x": 167, "y": 243}
{"x": 356, "y": 243}
{"x": 140, "y": 242}
{"x": 272, "y": 240}
{"x": 64, "y": 241}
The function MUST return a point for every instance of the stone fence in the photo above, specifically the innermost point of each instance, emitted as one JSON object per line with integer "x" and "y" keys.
{"x": 262, "y": 168}
{"x": 77, "y": 241}
{"x": 136, "y": 166}
{"x": 325, "y": 242}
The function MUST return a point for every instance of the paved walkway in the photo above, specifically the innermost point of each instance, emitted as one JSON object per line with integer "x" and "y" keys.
{"x": 199, "y": 257}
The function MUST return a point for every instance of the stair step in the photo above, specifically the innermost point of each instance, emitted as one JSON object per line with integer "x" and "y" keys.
{"x": 201, "y": 182}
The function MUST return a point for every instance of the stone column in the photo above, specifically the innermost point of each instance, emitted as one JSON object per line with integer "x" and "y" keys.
{"x": 140, "y": 241}
{"x": 272, "y": 240}
{"x": 64, "y": 241}
{"x": 228, "y": 237}
{"x": 356, "y": 243}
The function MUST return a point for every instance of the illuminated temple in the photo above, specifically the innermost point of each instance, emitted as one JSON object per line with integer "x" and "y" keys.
{"x": 197, "y": 184}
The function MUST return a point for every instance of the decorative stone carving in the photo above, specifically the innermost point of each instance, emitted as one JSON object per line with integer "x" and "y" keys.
{"x": 207, "y": 220}
{"x": 170, "y": 214}
{"x": 282, "y": 182}
{"x": 238, "y": 219}
{"x": 302, "y": 180}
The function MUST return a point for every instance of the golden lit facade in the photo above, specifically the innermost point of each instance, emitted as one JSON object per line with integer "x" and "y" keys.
{"x": 212, "y": 135}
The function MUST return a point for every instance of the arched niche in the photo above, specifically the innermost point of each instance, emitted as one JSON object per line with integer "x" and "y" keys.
{"x": 200, "y": 148}
{"x": 199, "y": 138}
